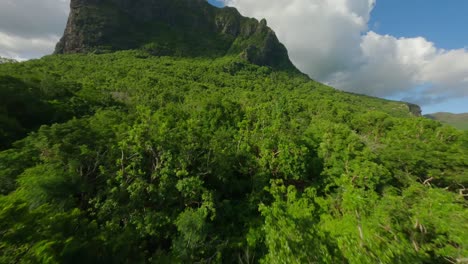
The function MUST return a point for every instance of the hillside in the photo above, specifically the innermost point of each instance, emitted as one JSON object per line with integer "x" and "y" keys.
{"x": 459, "y": 121}
{"x": 170, "y": 158}
{"x": 133, "y": 156}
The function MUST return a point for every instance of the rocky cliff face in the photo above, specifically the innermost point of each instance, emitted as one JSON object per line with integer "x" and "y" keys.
{"x": 170, "y": 27}
{"x": 414, "y": 109}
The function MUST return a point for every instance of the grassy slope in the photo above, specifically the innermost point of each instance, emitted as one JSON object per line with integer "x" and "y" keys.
{"x": 133, "y": 72}
{"x": 459, "y": 121}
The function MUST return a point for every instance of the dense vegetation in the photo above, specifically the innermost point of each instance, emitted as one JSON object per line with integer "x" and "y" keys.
{"x": 459, "y": 121}
{"x": 131, "y": 158}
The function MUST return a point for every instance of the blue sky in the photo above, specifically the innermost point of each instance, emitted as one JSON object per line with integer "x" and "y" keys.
{"x": 216, "y": 3}
{"x": 444, "y": 22}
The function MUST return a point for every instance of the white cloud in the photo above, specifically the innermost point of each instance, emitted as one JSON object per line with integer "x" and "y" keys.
{"x": 23, "y": 48}
{"x": 448, "y": 71}
{"x": 388, "y": 65}
{"x": 330, "y": 41}
{"x": 411, "y": 67}
{"x": 33, "y": 18}
{"x": 31, "y": 28}
{"x": 322, "y": 36}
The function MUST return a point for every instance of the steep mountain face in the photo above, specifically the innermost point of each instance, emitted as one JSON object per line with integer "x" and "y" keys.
{"x": 189, "y": 28}
{"x": 414, "y": 109}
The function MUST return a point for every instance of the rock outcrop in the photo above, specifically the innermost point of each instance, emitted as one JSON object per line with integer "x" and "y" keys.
{"x": 170, "y": 27}
{"x": 414, "y": 109}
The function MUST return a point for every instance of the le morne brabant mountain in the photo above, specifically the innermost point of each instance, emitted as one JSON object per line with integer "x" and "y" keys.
{"x": 172, "y": 131}
{"x": 187, "y": 28}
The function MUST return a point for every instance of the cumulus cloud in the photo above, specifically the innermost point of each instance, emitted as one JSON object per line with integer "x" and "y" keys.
{"x": 330, "y": 41}
{"x": 410, "y": 67}
{"x": 23, "y": 48}
{"x": 30, "y": 28}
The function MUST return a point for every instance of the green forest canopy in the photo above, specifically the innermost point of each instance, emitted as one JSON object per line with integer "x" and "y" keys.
{"x": 130, "y": 158}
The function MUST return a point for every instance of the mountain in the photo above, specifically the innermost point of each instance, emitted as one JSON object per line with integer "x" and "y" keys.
{"x": 459, "y": 121}
{"x": 186, "y": 28}
{"x": 115, "y": 150}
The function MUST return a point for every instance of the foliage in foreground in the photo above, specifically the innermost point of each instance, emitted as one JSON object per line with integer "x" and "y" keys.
{"x": 160, "y": 160}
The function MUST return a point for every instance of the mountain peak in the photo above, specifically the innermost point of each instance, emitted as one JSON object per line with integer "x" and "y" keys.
{"x": 170, "y": 27}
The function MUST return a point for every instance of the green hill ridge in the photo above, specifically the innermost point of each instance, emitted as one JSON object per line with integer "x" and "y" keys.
{"x": 459, "y": 121}
{"x": 128, "y": 154}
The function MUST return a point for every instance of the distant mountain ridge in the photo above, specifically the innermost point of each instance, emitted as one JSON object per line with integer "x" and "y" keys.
{"x": 6, "y": 60}
{"x": 459, "y": 121}
{"x": 188, "y": 28}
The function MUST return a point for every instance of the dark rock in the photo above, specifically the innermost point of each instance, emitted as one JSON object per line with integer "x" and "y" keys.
{"x": 414, "y": 109}
{"x": 170, "y": 27}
